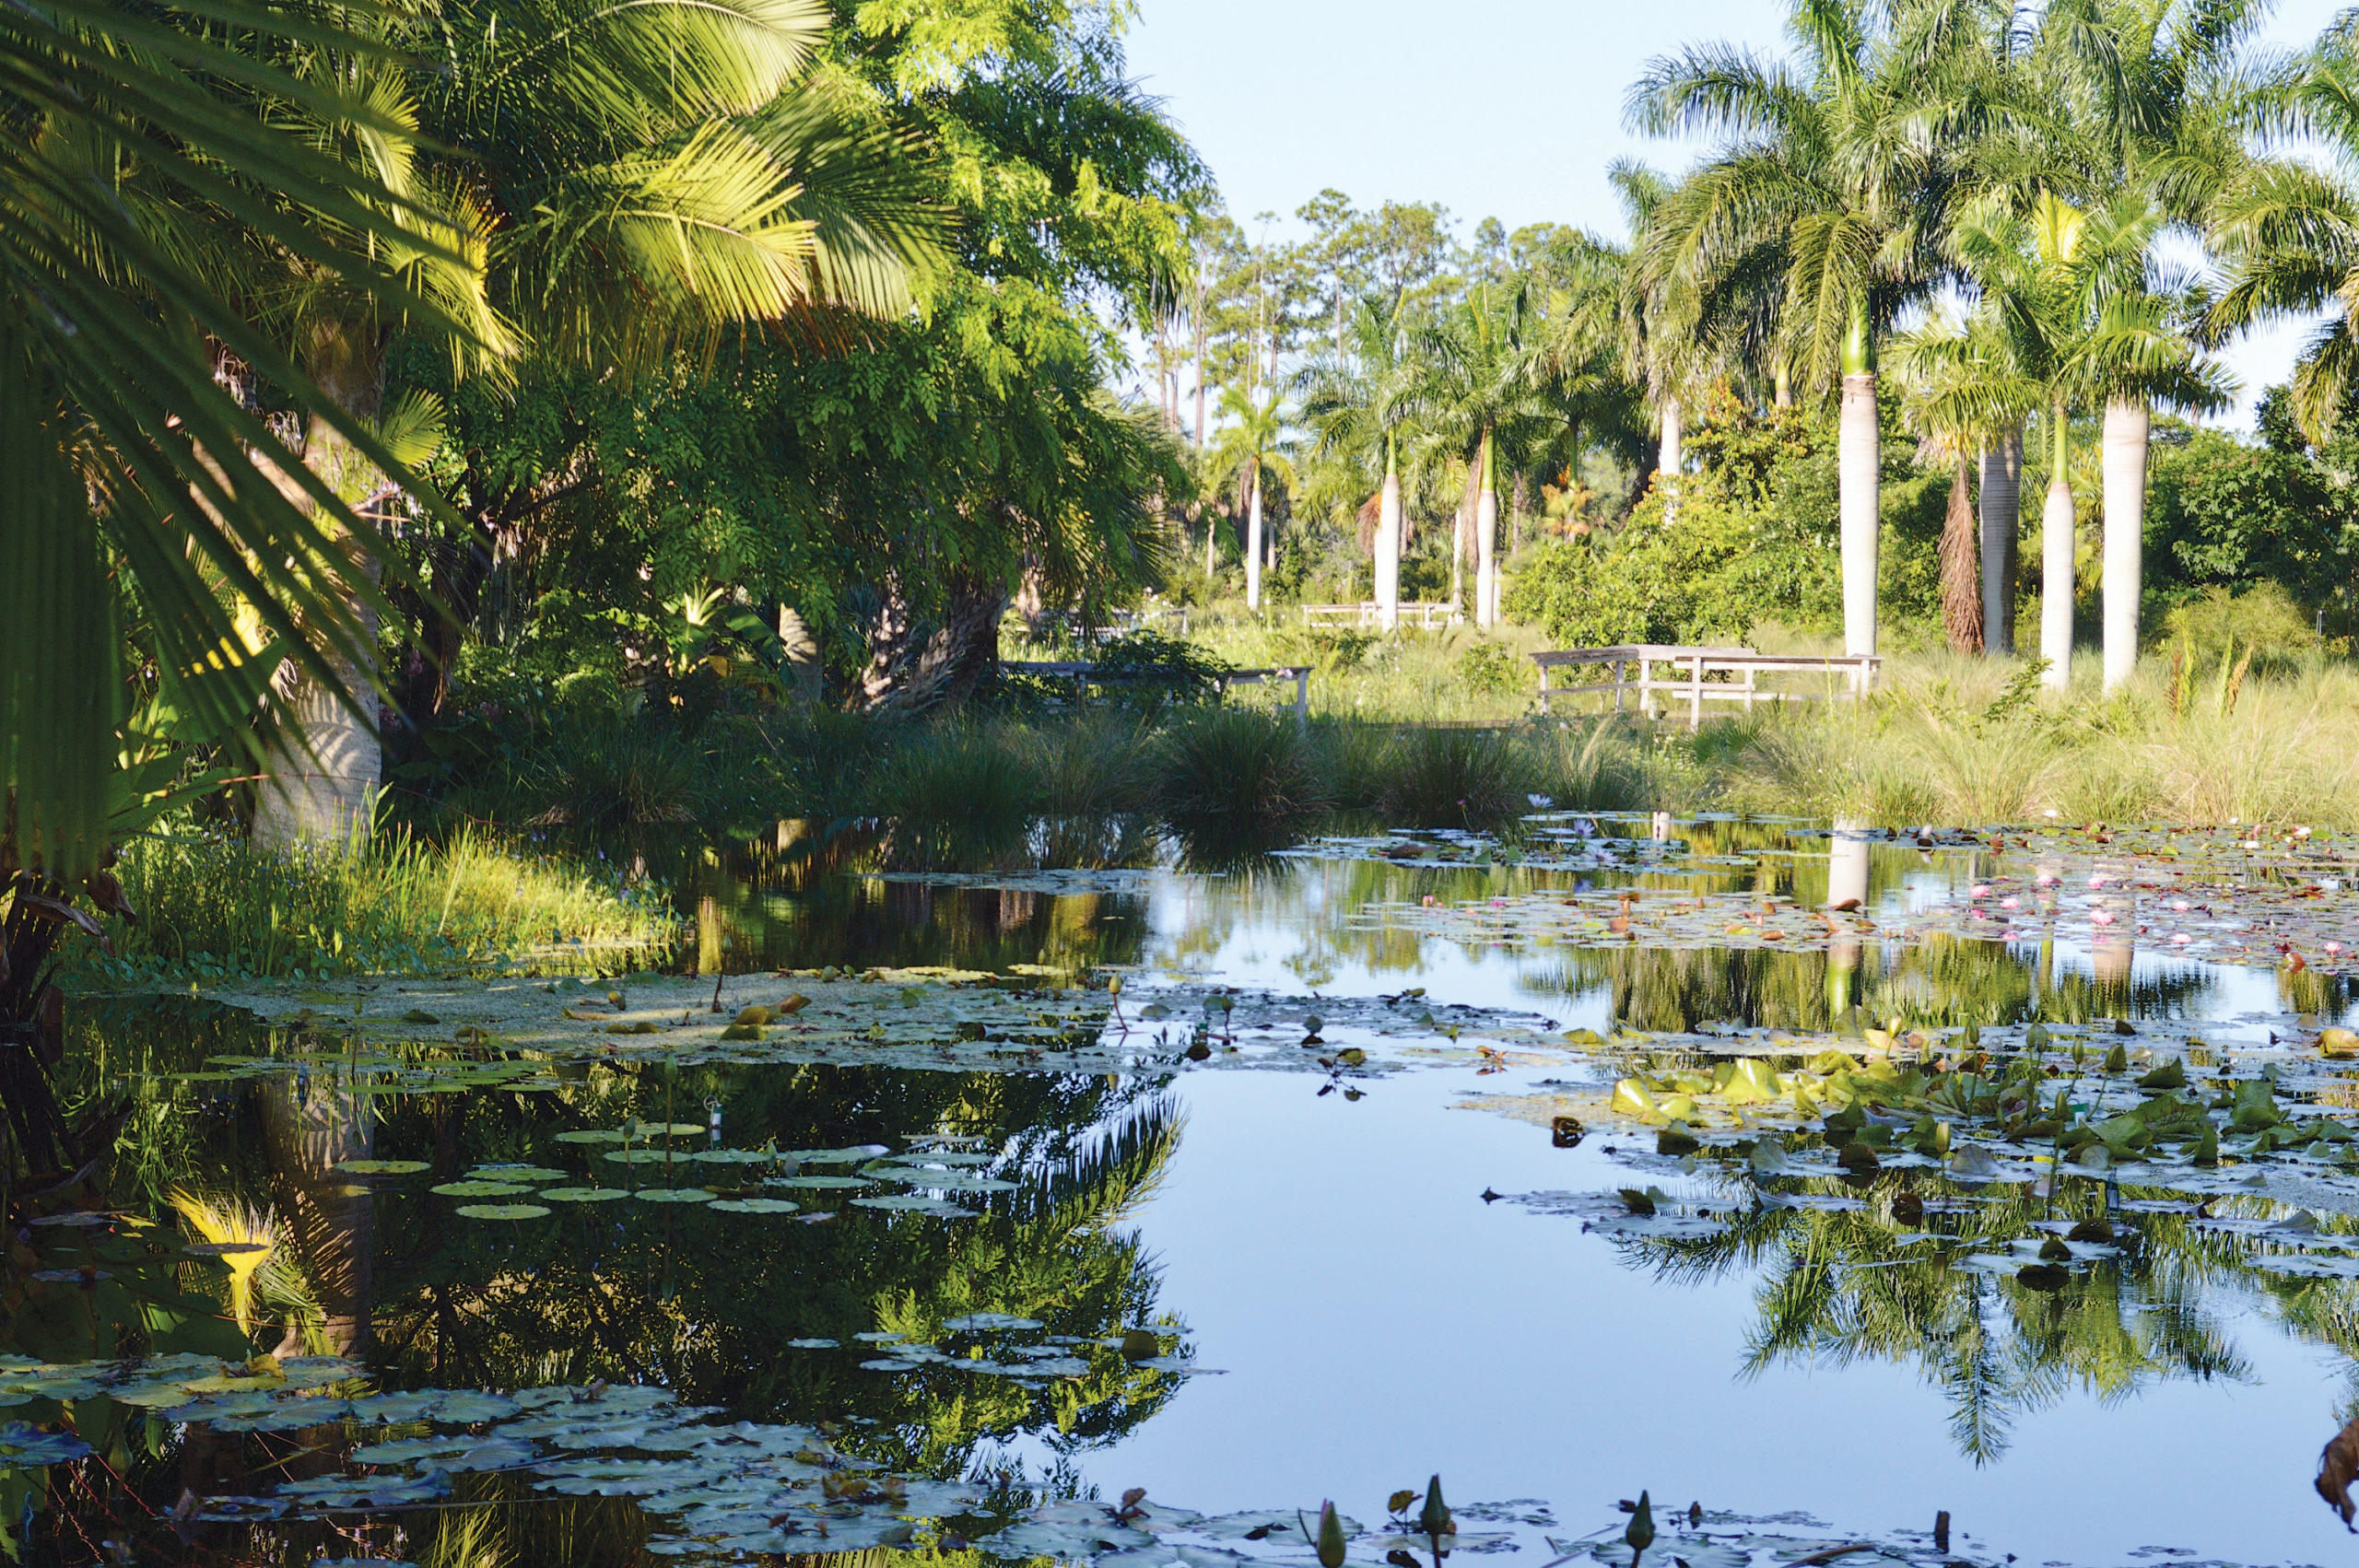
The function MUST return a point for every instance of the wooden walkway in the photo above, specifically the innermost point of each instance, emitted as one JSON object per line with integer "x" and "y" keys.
{"x": 1856, "y": 673}
{"x": 1423, "y": 616}
{"x": 1084, "y": 676}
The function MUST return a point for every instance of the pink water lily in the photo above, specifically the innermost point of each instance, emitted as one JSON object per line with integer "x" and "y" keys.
{"x": 2010, "y": 903}
{"x": 2101, "y": 917}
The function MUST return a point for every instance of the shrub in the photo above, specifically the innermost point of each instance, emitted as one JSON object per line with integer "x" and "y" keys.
{"x": 1494, "y": 669}
{"x": 1239, "y": 769}
{"x": 1457, "y": 777}
{"x": 2264, "y": 620}
{"x": 958, "y": 772}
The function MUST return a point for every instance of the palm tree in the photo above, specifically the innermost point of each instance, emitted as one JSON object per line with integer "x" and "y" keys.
{"x": 2289, "y": 233}
{"x": 1639, "y": 316}
{"x": 1835, "y": 178}
{"x": 1253, "y": 442}
{"x": 130, "y": 189}
{"x": 2150, "y": 102}
{"x": 1481, "y": 377}
{"x": 1357, "y": 400}
{"x": 2039, "y": 287}
{"x": 1963, "y": 394}
{"x": 619, "y": 181}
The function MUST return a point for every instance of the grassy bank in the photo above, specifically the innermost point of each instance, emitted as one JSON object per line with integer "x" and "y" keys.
{"x": 212, "y": 906}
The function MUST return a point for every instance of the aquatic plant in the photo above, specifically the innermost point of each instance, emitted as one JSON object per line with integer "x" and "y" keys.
{"x": 1239, "y": 770}
{"x": 211, "y": 904}
{"x": 1457, "y": 777}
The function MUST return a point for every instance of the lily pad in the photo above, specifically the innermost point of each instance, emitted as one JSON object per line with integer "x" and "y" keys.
{"x": 384, "y": 1168}
{"x": 582, "y": 1194}
{"x": 473, "y": 1189}
{"x": 755, "y": 1206}
{"x": 502, "y": 1211}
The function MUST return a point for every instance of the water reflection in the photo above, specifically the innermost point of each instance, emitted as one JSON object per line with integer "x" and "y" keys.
{"x": 1835, "y": 1279}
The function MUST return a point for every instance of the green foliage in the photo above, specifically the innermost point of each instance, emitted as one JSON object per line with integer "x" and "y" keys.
{"x": 1240, "y": 772}
{"x": 1748, "y": 538}
{"x": 2223, "y": 513}
{"x": 212, "y": 906}
{"x": 2263, "y": 621}
{"x": 1183, "y": 671}
{"x": 1458, "y": 777}
{"x": 1495, "y": 669}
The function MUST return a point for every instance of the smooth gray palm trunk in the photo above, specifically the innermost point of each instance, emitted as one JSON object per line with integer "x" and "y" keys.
{"x": 1254, "y": 548}
{"x": 1388, "y": 554}
{"x": 2127, "y": 425}
{"x": 2056, "y": 582}
{"x": 2001, "y": 505}
{"x": 1486, "y": 558}
{"x": 1673, "y": 456}
{"x": 1857, "y": 465}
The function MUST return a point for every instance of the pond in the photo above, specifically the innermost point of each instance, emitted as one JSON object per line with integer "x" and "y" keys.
{"x": 1829, "y": 1183}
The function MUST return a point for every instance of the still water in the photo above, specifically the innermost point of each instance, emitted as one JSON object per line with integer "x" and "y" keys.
{"x": 1357, "y": 1278}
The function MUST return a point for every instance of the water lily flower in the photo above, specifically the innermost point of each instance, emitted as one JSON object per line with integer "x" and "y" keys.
{"x": 2101, "y": 917}
{"x": 1979, "y": 890}
{"x": 2180, "y": 939}
{"x": 2010, "y": 903}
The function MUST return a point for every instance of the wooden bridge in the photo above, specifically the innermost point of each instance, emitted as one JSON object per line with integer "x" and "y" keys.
{"x": 1084, "y": 676}
{"x": 1423, "y": 616}
{"x": 1855, "y": 673}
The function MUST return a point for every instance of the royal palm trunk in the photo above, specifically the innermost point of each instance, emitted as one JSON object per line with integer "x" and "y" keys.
{"x": 1387, "y": 547}
{"x": 1670, "y": 458}
{"x": 1857, "y": 463}
{"x": 2127, "y": 425}
{"x": 1486, "y": 545}
{"x": 1253, "y": 546}
{"x": 2001, "y": 505}
{"x": 2056, "y": 525}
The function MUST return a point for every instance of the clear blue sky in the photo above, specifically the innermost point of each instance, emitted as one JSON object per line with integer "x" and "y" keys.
{"x": 1506, "y": 109}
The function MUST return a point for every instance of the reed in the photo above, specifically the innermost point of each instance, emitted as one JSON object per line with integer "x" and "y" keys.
{"x": 213, "y": 905}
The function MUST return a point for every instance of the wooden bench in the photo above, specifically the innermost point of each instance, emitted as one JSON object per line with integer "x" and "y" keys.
{"x": 1424, "y": 616}
{"x": 1856, "y": 672}
{"x": 1084, "y": 676}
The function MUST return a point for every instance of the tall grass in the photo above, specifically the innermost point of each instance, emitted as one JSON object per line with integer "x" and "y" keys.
{"x": 211, "y": 905}
{"x": 1944, "y": 739}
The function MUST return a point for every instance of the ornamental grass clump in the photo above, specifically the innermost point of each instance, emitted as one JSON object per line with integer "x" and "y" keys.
{"x": 213, "y": 904}
{"x": 1239, "y": 771}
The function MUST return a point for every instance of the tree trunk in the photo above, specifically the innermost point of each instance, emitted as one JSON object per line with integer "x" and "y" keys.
{"x": 2127, "y": 425}
{"x": 1486, "y": 542}
{"x": 907, "y": 675}
{"x": 323, "y": 765}
{"x": 1486, "y": 558}
{"x": 1387, "y": 551}
{"x": 1858, "y": 470}
{"x": 2056, "y": 527}
{"x": 1253, "y": 544}
{"x": 2003, "y": 478}
{"x": 1462, "y": 542}
{"x": 1961, "y": 589}
{"x": 1672, "y": 456}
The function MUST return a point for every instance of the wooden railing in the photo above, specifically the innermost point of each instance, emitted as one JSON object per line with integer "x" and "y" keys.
{"x": 1425, "y": 617}
{"x": 1856, "y": 673}
{"x": 1084, "y": 676}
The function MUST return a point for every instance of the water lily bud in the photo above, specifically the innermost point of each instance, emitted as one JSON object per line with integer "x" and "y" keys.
{"x": 1114, "y": 986}
{"x": 1434, "y": 1517}
{"x": 1331, "y": 1537}
{"x": 1641, "y": 1533}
